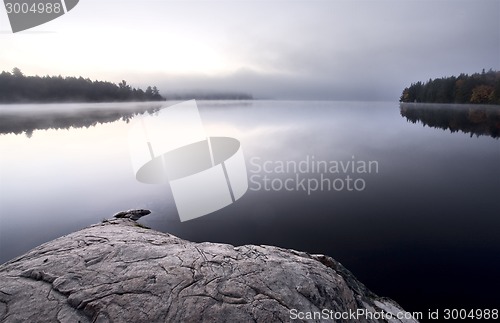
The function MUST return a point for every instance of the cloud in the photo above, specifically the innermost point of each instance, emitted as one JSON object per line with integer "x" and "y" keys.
{"x": 353, "y": 50}
{"x": 357, "y": 50}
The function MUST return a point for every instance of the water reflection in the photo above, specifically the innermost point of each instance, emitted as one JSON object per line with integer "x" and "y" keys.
{"x": 474, "y": 119}
{"x": 432, "y": 204}
{"x": 24, "y": 119}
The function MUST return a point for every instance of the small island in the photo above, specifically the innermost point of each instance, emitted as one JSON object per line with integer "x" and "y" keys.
{"x": 205, "y": 95}
{"x": 16, "y": 87}
{"x": 478, "y": 88}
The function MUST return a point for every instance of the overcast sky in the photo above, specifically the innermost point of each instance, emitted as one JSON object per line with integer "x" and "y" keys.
{"x": 360, "y": 50}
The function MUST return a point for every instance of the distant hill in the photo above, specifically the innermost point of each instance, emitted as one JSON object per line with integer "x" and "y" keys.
{"x": 15, "y": 87}
{"x": 478, "y": 88}
{"x": 210, "y": 96}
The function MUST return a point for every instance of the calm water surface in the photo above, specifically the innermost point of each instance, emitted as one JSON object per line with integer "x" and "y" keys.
{"x": 423, "y": 230}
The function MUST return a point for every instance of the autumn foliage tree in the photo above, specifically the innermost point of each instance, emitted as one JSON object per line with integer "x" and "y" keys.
{"x": 481, "y": 94}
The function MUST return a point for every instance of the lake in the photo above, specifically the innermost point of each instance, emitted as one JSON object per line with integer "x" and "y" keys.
{"x": 418, "y": 222}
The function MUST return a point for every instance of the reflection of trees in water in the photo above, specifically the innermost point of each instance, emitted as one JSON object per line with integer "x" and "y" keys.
{"x": 473, "y": 119}
{"x": 27, "y": 121}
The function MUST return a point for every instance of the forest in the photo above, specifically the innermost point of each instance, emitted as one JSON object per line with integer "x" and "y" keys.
{"x": 15, "y": 87}
{"x": 478, "y": 88}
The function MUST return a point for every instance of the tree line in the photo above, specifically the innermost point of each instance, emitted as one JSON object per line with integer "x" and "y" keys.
{"x": 478, "y": 88}
{"x": 15, "y": 87}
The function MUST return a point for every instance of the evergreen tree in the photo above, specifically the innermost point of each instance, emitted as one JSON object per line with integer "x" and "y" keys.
{"x": 16, "y": 87}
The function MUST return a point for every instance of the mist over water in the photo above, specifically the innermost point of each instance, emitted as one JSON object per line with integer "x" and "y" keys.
{"x": 424, "y": 223}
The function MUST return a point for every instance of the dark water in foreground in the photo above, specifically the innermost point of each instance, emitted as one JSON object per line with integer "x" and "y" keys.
{"x": 422, "y": 227}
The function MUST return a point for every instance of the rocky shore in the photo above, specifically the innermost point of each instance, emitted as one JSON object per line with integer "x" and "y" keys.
{"x": 120, "y": 271}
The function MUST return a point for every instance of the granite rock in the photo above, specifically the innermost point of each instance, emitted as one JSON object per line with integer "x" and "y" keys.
{"x": 119, "y": 271}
